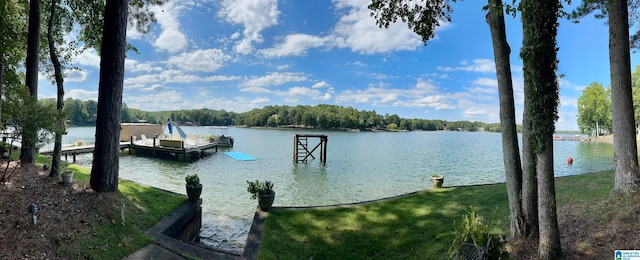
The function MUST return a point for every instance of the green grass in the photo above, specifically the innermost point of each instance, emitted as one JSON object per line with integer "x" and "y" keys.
{"x": 110, "y": 239}
{"x": 403, "y": 228}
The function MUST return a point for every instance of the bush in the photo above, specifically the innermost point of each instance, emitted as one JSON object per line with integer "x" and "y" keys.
{"x": 476, "y": 229}
{"x": 193, "y": 181}
{"x": 257, "y": 188}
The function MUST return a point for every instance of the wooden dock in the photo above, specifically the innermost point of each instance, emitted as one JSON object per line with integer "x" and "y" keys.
{"x": 179, "y": 150}
{"x": 153, "y": 147}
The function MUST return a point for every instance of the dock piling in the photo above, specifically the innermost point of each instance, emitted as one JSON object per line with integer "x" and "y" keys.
{"x": 301, "y": 151}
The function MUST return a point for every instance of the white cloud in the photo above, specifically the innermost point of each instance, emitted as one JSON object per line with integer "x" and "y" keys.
{"x": 380, "y": 76}
{"x": 81, "y": 94}
{"x": 208, "y": 60}
{"x": 144, "y": 79}
{"x": 326, "y": 96}
{"x": 177, "y": 76}
{"x": 282, "y": 67}
{"x": 425, "y": 85}
{"x": 163, "y": 97}
{"x": 357, "y": 64}
{"x": 569, "y": 102}
{"x": 236, "y": 104}
{"x": 89, "y": 58}
{"x": 76, "y": 76}
{"x": 486, "y": 82}
{"x": 380, "y": 94}
{"x": 171, "y": 38}
{"x": 358, "y": 31}
{"x": 154, "y": 87}
{"x": 132, "y": 32}
{"x": 131, "y": 65}
{"x": 255, "y": 16}
{"x": 300, "y": 91}
{"x": 275, "y": 79}
{"x": 435, "y": 101}
{"x": 479, "y": 65}
{"x": 256, "y": 90}
{"x": 321, "y": 84}
{"x": 221, "y": 78}
{"x": 294, "y": 45}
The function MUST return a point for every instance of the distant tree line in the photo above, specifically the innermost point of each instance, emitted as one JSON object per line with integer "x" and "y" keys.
{"x": 83, "y": 113}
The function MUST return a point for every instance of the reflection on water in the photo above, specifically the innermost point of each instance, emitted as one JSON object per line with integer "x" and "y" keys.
{"x": 360, "y": 166}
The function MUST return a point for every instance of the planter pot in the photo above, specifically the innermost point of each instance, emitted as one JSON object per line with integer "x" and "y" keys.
{"x": 265, "y": 201}
{"x": 436, "y": 182}
{"x": 194, "y": 193}
{"x": 67, "y": 177}
{"x": 469, "y": 251}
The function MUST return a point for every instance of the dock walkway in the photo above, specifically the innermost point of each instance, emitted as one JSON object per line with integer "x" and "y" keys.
{"x": 154, "y": 147}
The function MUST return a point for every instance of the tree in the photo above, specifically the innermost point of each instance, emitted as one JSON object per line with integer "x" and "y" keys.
{"x": 635, "y": 90}
{"x": 510, "y": 149}
{"x": 593, "y": 109}
{"x": 104, "y": 171}
{"x": 28, "y": 151}
{"x": 60, "y": 118}
{"x": 539, "y": 57}
{"x": 126, "y": 115}
{"x": 25, "y": 109}
{"x": 623, "y": 120}
{"x": 522, "y": 200}
{"x": 13, "y": 31}
{"x": 625, "y": 147}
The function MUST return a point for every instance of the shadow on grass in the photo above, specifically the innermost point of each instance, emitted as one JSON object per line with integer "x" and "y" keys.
{"x": 403, "y": 228}
{"x": 407, "y": 227}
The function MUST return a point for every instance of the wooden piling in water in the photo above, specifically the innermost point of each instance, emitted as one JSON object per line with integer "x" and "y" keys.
{"x": 301, "y": 151}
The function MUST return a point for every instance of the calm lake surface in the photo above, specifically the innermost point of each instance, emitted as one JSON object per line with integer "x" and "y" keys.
{"x": 360, "y": 166}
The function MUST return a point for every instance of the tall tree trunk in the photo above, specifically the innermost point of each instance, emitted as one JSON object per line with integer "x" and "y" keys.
{"x": 28, "y": 151}
{"x": 510, "y": 150}
{"x": 57, "y": 67}
{"x": 1, "y": 89}
{"x": 549, "y": 243}
{"x": 529, "y": 174}
{"x": 104, "y": 172}
{"x": 624, "y": 141}
{"x": 539, "y": 56}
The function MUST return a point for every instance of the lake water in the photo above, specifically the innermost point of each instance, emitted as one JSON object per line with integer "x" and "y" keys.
{"x": 360, "y": 166}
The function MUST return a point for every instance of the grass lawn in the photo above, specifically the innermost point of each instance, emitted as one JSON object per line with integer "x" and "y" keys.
{"x": 402, "y": 228}
{"x": 108, "y": 236}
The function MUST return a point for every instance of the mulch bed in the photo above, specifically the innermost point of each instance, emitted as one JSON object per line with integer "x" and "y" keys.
{"x": 63, "y": 213}
{"x": 593, "y": 229}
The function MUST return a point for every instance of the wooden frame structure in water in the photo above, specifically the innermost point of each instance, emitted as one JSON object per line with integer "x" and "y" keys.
{"x": 301, "y": 151}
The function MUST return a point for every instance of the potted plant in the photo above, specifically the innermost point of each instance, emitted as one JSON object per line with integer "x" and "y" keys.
{"x": 437, "y": 180}
{"x": 263, "y": 191}
{"x": 476, "y": 237}
{"x": 66, "y": 175}
{"x": 194, "y": 187}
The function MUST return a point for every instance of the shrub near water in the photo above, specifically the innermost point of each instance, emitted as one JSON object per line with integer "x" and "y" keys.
{"x": 477, "y": 230}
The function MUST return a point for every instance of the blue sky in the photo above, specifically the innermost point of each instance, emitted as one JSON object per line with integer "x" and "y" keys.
{"x": 238, "y": 55}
